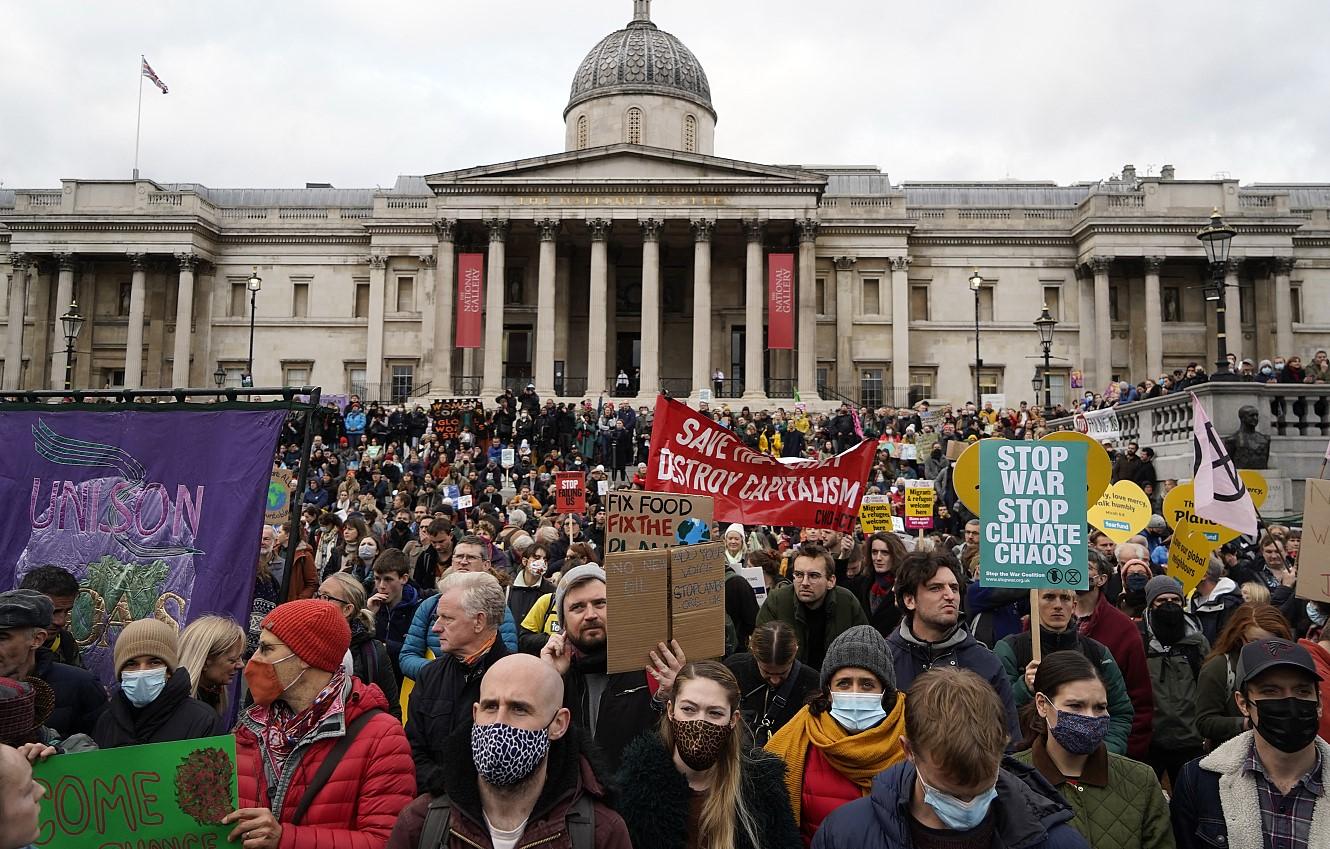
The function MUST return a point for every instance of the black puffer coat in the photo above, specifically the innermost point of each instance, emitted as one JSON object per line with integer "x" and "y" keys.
{"x": 173, "y": 715}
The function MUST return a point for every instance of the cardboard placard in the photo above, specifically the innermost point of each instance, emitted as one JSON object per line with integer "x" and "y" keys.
{"x": 1314, "y": 558}
{"x": 897, "y": 525}
{"x": 697, "y": 599}
{"x": 637, "y": 594}
{"x": 906, "y": 451}
{"x": 163, "y": 794}
{"x": 640, "y": 520}
{"x": 602, "y": 488}
{"x": 507, "y": 458}
{"x": 1189, "y": 554}
{"x": 753, "y": 574}
{"x": 1033, "y": 523}
{"x": 924, "y": 444}
{"x": 569, "y": 492}
{"x": 1121, "y": 512}
{"x": 955, "y": 448}
{"x": 278, "y": 509}
{"x": 875, "y": 513}
{"x": 919, "y": 500}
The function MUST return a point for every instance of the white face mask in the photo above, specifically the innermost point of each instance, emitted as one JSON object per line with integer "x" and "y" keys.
{"x": 367, "y": 552}
{"x": 537, "y": 567}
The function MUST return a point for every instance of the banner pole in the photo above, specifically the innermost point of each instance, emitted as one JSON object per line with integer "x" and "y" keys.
{"x": 1035, "y": 637}
{"x": 302, "y": 479}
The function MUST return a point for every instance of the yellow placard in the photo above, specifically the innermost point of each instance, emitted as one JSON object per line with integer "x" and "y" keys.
{"x": 875, "y": 514}
{"x": 965, "y": 478}
{"x": 1189, "y": 555}
{"x": 1180, "y": 505}
{"x": 1098, "y": 471}
{"x": 1121, "y": 512}
{"x": 920, "y": 498}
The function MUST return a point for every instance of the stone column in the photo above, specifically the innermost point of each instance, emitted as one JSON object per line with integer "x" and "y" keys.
{"x": 18, "y": 304}
{"x": 134, "y": 333}
{"x": 492, "y": 369}
{"x": 650, "y": 383}
{"x": 184, "y": 319}
{"x": 900, "y": 329}
{"x": 597, "y": 320}
{"x": 428, "y": 327}
{"x": 845, "y": 325}
{"x": 1233, "y": 311}
{"x": 378, "y": 275}
{"x": 702, "y": 230}
{"x": 1085, "y": 345}
{"x": 1283, "y": 306}
{"x": 807, "y": 341}
{"x": 545, "y": 297}
{"x": 1154, "y": 327}
{"x": 1103, "y": 327}
{"x": 64, "y": 296}
{"x": 445, "y": 283}
{"x": 755, "y": 382}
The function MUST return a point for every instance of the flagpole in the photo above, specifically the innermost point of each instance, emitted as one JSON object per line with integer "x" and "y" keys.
{"x": 138, "y": 121}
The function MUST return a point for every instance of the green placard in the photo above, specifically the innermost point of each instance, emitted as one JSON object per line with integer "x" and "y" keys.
{"x": 1032, "y": 497}
{"x": 164, "y": 794}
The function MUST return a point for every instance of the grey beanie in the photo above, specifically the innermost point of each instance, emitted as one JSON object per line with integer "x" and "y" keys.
{"x": 1157, "y": 522}
{"x": 573, "y": 577}
{"x": 860, "y": 646}
{"x": 1159, "y": 585}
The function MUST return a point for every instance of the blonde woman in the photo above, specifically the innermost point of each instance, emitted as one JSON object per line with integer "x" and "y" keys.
{"x": 212, "y": 650}
{"x": 694, "y": 783}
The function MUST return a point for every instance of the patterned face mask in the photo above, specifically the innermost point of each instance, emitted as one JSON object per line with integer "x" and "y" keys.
{"x": 698, "y": 742}
{"x": 505, "y": 754}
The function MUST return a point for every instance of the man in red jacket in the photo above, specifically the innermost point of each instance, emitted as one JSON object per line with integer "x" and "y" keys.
{"x": 308, "y": 713}
{"x": 1101, "y": 621}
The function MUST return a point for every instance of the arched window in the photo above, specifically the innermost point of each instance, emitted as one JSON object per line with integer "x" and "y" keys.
{"x": 633, "y": 126}
{"x": 581, "y": 132}
{"x": 690, "y": 133}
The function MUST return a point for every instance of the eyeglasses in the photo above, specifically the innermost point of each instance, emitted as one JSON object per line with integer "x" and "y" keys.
{"x": 809, "y": 577}
{"x": 322, "y": 596}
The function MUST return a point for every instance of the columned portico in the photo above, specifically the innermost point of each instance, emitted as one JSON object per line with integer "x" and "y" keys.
{"x": 1103, "y": 327}
{"x": 650, "y": 381}
{"x": 445, "y": 282}
{"x": 492, "y": 368}
{"x": 1283, "y": 306}
{"x": 64, "y": 294}
{"x": 900, "y": 327}
{"x": 18, "y": 302}
{"x": 597, "y": 317}
{"x": 545, "y": 297}
{"x": 807, "y": 371}
{"x": 754, "y": 374}
{"x": 1233, "y": 309}
{"x": 138, "y": 287}
{"x": 378, "y": 273}
{"x": 184, "y": 319}
{"x": 845, "y": 325}
{"x": 1154, "y": 328}
{"x": 702, "y": 318}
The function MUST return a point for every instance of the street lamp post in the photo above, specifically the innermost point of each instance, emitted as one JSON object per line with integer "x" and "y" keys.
{"x": 72, "y": 323}
{"x": 976, "y": 283}
{"x": 1045, "y": 324}
{"x": 254, "y": 285}
{"x": 219, "y": 376}
{"x": 1217, "y": 237}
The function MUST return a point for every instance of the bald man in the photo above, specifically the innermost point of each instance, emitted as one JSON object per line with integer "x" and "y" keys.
{"x": 518, "y": 776}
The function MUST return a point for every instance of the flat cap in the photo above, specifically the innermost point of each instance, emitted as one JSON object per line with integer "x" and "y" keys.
{"x": 25, "y": 609}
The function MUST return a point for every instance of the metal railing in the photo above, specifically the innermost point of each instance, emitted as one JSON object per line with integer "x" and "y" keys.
{"x": 781, "y": 387}
{"x": 467, "y": 385}
{"x": 570, "y": 387}
{"x": 676, "y": 387}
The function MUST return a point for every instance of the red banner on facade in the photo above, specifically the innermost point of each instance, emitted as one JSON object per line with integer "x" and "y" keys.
{"x": 569, "y": 492}
{"x": 780, "y": 301}
{"x": 693, "y": 455}
{"x": 470, "y": 299}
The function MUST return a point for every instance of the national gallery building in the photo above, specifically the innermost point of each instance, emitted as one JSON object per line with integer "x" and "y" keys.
{"x": 637, "y": 250}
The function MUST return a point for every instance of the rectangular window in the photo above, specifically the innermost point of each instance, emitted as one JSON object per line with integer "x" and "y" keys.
{"x": 235, "y": 375}
{"x": 355, "y": 380}
{"x": 300, "y": 299}
{"x": 986, "y": 302}
{"x": 872, "y": 304}
{"x": 1053, "y": 300}
{"x": 114, "y": 378}
{"x": 821, "y": 295}
{"x": 990, "y": 380}
{"x": 406, "y": 294}
{"x": 919, "y": 302}
{"x": 870, "y": 388}
{"x": 823, "y": 376}
{"x": 514, "y": 289}
{"x": 295, "y": 375}
{"x": 239, "y": 295}
{"x": 404, "y": 381}
{"x": 1172, "y": 303}
{"x": 1057, "y": 388}
{"x": 1246, "y": 304}
{"x": 922, "y": 382}
{"x": 1113, "y": 312}
{"x": 362, "y": 301}
{"x": 1296, "y": 292}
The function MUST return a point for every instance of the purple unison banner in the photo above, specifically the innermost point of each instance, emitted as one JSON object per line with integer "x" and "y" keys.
{"x": 156, "y": 513}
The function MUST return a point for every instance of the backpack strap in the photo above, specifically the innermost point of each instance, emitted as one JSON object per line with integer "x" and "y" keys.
{"x": 581, "y": 823}
{"x": 330, "y": 762}
{"x": 434, "y": 834}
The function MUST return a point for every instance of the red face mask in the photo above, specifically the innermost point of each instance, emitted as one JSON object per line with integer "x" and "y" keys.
{"x": 261, "y": 676}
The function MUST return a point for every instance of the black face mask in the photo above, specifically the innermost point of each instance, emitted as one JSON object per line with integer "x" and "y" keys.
{"x": 1288, "y": 724}
{"x": 1168, "y": 623}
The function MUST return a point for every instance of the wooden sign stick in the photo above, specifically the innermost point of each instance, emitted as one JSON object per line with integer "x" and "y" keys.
{"x": 1034, "y": 625}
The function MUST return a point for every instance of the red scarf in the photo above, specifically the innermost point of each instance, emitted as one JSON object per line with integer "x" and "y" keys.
{"x": 284, "y": 730}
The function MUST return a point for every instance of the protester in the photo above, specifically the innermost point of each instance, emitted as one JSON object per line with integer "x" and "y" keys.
{"x": 740, "y": 599}
{"x": 152, "y": 701}
{"x": 521, "y": 775}
{"x": 308, "y": 712}
{"x": 304, "y": 576}
{"x": 876, "y": 586}
{"x": 1215, "y": 599}
{"x": 369, "y": 656}
{"x": 20, "y": 801}
{"x": 1058, "y": 632}
{"x": 393, "y": 604}
{"x": 1217, "y": 716}
{"x": 25, "y": 619}
{"x": 212, "y": 651}
{"x": 817, "y": 609}
{"x": 1174, "y": 648}
{"x": 63, "y": 590}
{"x": 773, "y": 682}
{"x": 530, "y": 583}
{"x": 1264, "y": 787}
{"x": 955, "y": 790}
{"x": 1118, "y": 801}
{"x": 932, "y": 633}
{"x": 695, "y": 783}
{"x": 846, "y": 734}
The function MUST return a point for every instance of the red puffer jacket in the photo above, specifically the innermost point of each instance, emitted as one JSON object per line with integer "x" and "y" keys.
{"x": 824, "y": 790}
{"x": 371, "y": 785}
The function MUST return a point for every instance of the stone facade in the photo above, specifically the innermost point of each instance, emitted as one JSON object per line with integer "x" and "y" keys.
{"x": 617, "y": 256}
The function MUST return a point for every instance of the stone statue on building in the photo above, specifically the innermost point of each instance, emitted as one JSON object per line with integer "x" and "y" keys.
{"x": 1249, "y": 448}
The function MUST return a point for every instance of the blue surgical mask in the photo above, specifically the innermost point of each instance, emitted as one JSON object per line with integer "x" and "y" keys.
{"x": 857, "y": 711}
{"x": 955, "y": 814}
{"x": 143, "y": 688}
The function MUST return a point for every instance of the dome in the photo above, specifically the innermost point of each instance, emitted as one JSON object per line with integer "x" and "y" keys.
{"x": 641, "y": 59}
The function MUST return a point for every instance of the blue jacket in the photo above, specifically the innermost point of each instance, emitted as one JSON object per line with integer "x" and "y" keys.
{"x": 391, "y": 626}
{"x": 412, "y": 657}
{"x": 355, "y": 421}
{"x": 1029, "y": 814}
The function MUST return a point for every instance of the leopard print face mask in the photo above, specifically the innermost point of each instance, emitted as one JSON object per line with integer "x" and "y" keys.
{"x": 505, "y": 755}
{"x": 699, "y": 742}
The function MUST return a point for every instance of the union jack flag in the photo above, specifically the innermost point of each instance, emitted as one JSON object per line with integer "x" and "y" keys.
{"x": 152, "y": 75}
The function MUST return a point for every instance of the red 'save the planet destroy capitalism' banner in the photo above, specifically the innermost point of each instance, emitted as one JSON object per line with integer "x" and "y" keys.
{"x": 780, "y": 301}
{"x": 470, "y": 298}
{"x": 692, "y": 455}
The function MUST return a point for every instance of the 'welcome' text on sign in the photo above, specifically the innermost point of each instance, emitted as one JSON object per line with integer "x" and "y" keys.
{"x": 1033, "y": 514}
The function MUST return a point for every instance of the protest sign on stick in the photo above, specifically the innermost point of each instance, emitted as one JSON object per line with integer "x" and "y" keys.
{"x": 637, "y": 589}
{"x": 1189, "y": 554}
{"x": 569, "y": 492}
{"x": 919, "y": 500}
{"x": 697, "y": 599}
{"x": 875, "y": 513}
{"x": 1121, "y": 512}
{"x": 1314, "y": 558}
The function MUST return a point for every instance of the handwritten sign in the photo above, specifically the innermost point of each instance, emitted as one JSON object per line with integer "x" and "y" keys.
{"x": 1314, "y": 558}
{"x": 278, "y": 509}
{"x": 507, "y": 458}
{"x": 637, "y": 585}
{"x": 164, "y": 794}
{"x": 919, "y": 500}
{"x": 1189, "y": 554}
{"x": 875, "y": 513}
{"x": 569, "y": 492}
{"x": 697, "y": 599}
{"x": 641, "y": 520}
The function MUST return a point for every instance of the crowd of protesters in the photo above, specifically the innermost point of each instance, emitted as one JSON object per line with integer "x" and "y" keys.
{"x": 427, "y": 664}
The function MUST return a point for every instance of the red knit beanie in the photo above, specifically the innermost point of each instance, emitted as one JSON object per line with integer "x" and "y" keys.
{"x": 315, "y": 630}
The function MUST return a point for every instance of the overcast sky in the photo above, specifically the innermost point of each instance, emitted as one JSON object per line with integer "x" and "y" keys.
{"x": 278, "y": 93}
